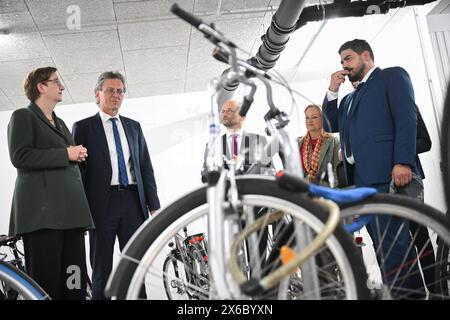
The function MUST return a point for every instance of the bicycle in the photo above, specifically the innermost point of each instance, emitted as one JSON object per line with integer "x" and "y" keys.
{"x": 15, "y": 284}
{"x": 294, "y": 218}
{"x": 7, "y": 292}
{"x": 344, "y": 258}
{"x": 185, "y": 269}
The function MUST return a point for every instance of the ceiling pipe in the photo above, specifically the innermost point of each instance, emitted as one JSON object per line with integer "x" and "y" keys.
{"x": 342, "y": 9}
{"x": 283, "y": 23}
{"x": 291, "y": 15}
{"x": 273, "y": 42}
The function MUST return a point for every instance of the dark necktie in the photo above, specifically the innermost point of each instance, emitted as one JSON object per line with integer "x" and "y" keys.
{"x": 123, "y": 178}
{"x": 348, "y": 149}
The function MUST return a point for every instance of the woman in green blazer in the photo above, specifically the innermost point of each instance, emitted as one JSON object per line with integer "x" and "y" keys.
{"x": 49, "y": 207}
{"x": 318, "y": 148}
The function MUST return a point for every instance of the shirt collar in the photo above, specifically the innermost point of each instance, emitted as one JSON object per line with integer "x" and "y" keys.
{"x": 105, "y": 117}
{"x": 368, "y": 74}
{"x": 240, "y": 132}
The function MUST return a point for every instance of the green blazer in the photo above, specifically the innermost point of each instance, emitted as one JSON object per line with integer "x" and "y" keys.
{"x": 49, "y": 191}
{"x": 328, "y": 153}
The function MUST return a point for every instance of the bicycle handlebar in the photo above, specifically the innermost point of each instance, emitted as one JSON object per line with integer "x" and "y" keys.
{"x": 245, "y": 106}
{"x": 207, "y": 29}
{"x": 186, "y": 16}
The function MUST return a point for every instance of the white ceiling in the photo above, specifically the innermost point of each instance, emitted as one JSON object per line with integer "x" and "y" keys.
{"x": 158, "y": 53}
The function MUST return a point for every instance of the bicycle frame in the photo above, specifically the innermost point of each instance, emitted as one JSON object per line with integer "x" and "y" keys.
{"x": 188, "y": 250}
{"x": 221, "y": 229}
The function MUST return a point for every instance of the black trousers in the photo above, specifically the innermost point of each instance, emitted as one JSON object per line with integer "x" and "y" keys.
{"x": 122, "y": 219}
{"x": 56, "y": 260}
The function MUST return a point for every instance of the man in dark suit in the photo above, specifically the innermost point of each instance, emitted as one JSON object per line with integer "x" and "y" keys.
{"x": 118, "y": 176}
{"x": 377, "y": 124}
{"x": 238, "y": 145}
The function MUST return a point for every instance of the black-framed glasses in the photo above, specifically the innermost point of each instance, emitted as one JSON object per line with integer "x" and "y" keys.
{"x": 112, "y": 91}
{"x": 57, "y": 81}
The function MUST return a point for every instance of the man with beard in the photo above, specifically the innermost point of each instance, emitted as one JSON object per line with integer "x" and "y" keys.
{"x": 377, "y": 124}
{"x": 238, "y": 143}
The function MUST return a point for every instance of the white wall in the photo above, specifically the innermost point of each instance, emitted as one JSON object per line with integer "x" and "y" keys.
{"x": 176, "y": 131}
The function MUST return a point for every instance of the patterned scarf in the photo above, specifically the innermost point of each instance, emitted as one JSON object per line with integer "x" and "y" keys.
{"x": 311, "y": 156}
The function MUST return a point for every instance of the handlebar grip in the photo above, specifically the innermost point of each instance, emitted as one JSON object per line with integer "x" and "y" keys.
{"x": 291, "y": 182}
{"x": 186, "y": 16}
{"x": 246, "y": 104}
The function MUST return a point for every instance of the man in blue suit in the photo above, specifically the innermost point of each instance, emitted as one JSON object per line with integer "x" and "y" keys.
{"x": 377, "y": 125}
{"x": 118, "y": 176}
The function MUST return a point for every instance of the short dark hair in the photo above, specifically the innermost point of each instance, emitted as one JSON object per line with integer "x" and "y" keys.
{"x": 359, "y": 46}
{"x": 33, "y": 79}
{"x": 109, "y": 75}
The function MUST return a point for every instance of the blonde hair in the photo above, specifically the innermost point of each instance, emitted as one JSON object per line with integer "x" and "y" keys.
{"x": 319, "y": 107}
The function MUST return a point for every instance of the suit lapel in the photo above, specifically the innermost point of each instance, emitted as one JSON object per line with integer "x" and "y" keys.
{"x": 243, "y": 144}
{"x": 325, "y": 146}
{"x": 357, "y": 99}
{"x": 99, "y": 132}
{"x": 130, "y": 137}
{"x": 38, "y": 112}
{"x": 226, "y": 152}
{"x": 245, "y": 147}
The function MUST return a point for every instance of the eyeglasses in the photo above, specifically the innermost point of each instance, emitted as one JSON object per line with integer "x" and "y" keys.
{"x": 58, "y": 83}
{"x": 112, "y": 91}
{"x": 229, "y": 111}
{"x": 312, "y": 118}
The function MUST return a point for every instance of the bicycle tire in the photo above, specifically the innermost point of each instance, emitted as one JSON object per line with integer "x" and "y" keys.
{"x": 442, "y": 272}
{"x": 122, "y": 277}
{"x": 407, "y": 209}
{"x": 89, "y": 289}
{"x": 445, "y": 147}
{"x": 168, "y": 282}
{"x": 21, "y": 283}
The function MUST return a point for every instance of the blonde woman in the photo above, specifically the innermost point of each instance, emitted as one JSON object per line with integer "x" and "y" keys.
{"x": 317, "y": 147}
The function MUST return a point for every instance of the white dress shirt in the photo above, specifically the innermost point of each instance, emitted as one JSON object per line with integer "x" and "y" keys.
{"x": 107, "y": 126}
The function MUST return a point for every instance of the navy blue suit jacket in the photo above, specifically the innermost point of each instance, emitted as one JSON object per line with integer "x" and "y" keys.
{"x": 97, "y": 171}
{"x": 423, "y": 142}
{"x": 382, "y": 124}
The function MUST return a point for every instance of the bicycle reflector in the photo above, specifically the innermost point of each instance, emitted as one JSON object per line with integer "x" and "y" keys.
{"x": 195, "y": 239}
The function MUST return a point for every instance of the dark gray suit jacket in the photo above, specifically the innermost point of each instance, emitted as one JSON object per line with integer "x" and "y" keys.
{"x": 249, "y": 145}
{"x": 328, "y": 153}
{"x": 49, "y": 192}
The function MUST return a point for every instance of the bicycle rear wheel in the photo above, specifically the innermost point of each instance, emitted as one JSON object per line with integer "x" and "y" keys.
{"x": 174, "y": 279}
{"x": 143, "y": 257}
{"x": 16, "y": 285}
{"x": 418, "y": 271}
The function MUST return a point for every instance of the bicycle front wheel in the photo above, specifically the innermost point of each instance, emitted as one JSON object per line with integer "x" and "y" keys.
{"x": 339, "y": 268}
{"x": 16, "y": 285}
